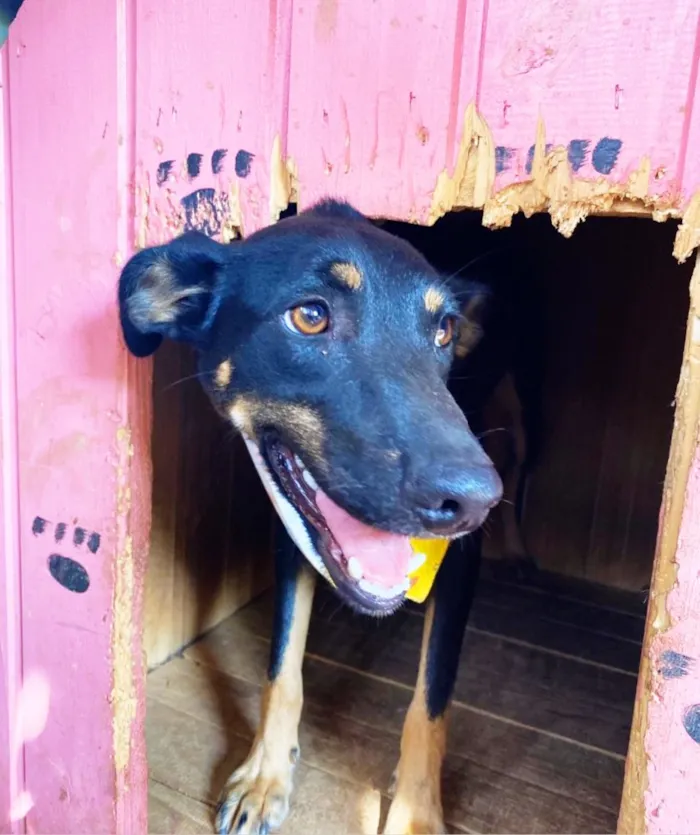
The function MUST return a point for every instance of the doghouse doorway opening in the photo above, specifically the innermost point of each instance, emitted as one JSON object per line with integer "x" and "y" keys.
{"x": 546, "y": 690}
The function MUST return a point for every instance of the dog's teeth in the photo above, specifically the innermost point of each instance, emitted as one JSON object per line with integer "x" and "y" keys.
{"x": 380, "y": 591}
{"x": 416, "y": 562}
{"x": 298, "y": 462}
{"x": 355, "y": 568}
{"x": 310, "y": 480}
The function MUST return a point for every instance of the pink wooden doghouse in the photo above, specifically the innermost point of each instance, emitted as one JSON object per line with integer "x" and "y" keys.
{"x": 124, "y": 121}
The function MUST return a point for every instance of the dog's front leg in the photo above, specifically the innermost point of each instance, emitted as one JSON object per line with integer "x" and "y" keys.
{"x": 417, "y": 803}
{"x": 256, "y": 796}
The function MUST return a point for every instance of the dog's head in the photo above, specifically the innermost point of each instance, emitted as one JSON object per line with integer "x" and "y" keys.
{"x": 327, "y": 342}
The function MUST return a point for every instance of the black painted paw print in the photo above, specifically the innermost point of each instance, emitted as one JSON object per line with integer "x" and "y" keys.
{"x": 677, "y": 665}
{"x": 206, "y": 208}
{"x": 70, "y": 573}
{"x": 603, "y": 156}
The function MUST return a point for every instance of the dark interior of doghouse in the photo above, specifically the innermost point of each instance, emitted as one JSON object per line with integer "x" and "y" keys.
{"x": 545, "y": 694}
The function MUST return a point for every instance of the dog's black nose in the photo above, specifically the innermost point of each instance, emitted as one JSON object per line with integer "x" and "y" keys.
{"x": 457, "y": 500}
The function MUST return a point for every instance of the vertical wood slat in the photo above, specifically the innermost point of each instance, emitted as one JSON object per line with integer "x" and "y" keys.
{"x": 11, "y": 761}
{"x": 83, "y": 413}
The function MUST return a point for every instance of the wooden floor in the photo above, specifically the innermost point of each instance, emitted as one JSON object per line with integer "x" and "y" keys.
{"x": 537, "y": 738}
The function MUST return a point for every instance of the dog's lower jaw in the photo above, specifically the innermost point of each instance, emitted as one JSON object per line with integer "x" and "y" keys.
{"x": 417, "y": 805}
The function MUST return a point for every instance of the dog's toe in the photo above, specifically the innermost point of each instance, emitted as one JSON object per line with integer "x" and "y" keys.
{"x": 252, "y": 805}
{"x": 411, "y": 819}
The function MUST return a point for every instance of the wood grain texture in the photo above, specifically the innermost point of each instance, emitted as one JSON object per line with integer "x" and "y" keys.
{"x": 383, "y": 104}
{"x": 212, "y": 524}
{"x": 361, "y": 750}
{"x": 614, "y": 333}
{"x": 352, "y": 722}
{"x": 666, "y": 727}
{"x": 575, "y": 65}
{"x": 83, "y": 413}
{"x": 491, "y": 746}
{"x": 522, "y": 683}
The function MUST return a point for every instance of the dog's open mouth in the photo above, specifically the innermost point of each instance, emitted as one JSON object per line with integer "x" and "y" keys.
{"x": 368, "y": 567}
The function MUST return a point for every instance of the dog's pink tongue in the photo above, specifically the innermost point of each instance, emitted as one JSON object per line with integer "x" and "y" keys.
{"x": 384, "y": 557}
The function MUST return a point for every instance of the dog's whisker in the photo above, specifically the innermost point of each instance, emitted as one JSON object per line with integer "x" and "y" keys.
{"x": 495, "y": 429}
{"x": 198, "y": 376}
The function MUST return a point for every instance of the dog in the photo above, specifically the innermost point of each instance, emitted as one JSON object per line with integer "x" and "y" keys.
{"x": 328, "y": 342}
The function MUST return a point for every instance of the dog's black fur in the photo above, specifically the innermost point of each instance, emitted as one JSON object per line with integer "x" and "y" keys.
{"x": 364, "y": 403}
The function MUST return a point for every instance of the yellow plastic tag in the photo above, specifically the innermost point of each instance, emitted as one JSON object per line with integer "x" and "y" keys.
{"x": 422, "y": 579}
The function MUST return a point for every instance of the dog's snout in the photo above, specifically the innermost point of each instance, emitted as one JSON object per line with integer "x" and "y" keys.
{"x": 458, "y": 500}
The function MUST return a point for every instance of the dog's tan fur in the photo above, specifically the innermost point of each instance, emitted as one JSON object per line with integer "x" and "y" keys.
{"x": 347, "y": 273}
{"x": 301, "y": 423}
{"x": 417, "y": 806}
{"x": 223, "y": 374}
{"x": 263, "y": 784}
{"x": 434, "y": 299}
{"x": 163, "y": 293}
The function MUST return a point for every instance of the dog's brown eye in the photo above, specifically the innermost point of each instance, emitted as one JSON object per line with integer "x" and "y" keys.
{"x": 445, "y": 332}
{"x": 308, "y": 319}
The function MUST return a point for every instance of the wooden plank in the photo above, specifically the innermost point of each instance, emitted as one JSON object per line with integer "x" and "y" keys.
{"x": 578, "y": 591}
{"x": 601, "y": 524}
{"x": 209, "y": 157}
{"x": 486, "y": 739}
{"x": 173, "y": 813}
{"x": 11, "y": 761}
{"x": 215, "y": 136}
{"x": 84, "y": 414}
{"x": 527, "y": 600}
{"x": 381, "y": 88}
{"x": 526, "y": 623}
{"x": 574, "y": 69}
{"x": 366, "y": 753}
{"x": 319, "y": 797}
{"x": 210, "y": 540}
{"x": 591, "y": 705}
{"x": 660, "y": 779}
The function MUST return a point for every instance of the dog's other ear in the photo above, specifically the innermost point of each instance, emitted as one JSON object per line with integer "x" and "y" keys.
{"x": 172, "y": 292}
{"x": 473, "y": 300}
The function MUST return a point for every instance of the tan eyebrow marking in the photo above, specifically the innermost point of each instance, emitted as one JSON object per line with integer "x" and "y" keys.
{"x": 434, "y": 299}
{"x": 348, "y": 273}
{"x": 222, "y": 377}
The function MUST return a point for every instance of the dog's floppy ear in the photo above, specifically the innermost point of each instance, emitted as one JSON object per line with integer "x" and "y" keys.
{"x": 473, "y": 299}
{"x": 171, "y": 291}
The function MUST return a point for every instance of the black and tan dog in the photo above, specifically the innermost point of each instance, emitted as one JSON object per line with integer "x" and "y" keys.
{"x": 328, "y": 343}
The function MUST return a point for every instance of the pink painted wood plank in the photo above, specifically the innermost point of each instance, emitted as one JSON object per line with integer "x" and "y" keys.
{"x": 11, "y": 763}
{"x": 377, "y": 98}
{"x": 673, "y": 737}
{"x": 689, "y": 147}
{"x": 595, "y": 71}
{"x": 83, "y": 426}
{"x": 211, "y": 110}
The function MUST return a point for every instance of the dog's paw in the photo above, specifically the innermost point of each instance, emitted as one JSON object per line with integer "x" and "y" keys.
{"x": 255, "y": 799}
{"x": 410, "y": 816}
